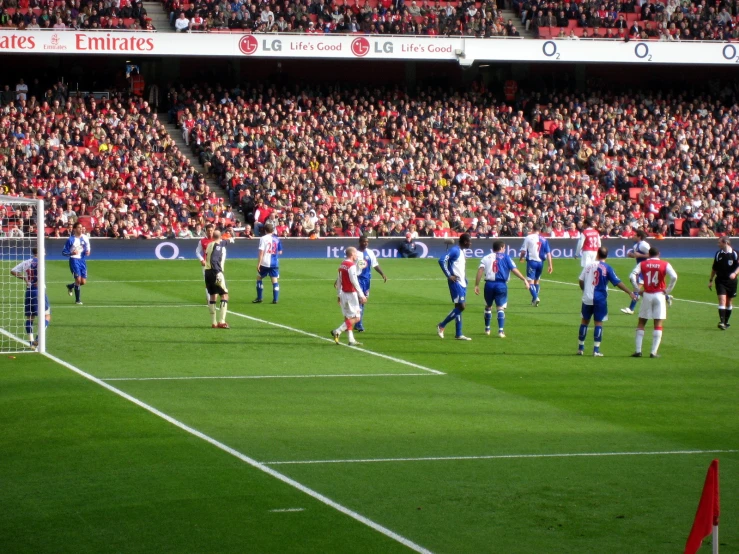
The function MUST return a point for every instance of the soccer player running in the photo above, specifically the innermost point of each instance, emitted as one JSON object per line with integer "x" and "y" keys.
{"x": 654, "y": 303}
{"x": 270, "y": 247}
{"x": 588, "y": 244}
{"x": 350, "y": 296}
{"x": 28, "y": 271}
{"x": 535, "y": 250}
{"x": 77, "y": 248}
{"x": 594, "y": 281}
{"x": 640, "y": 252}
{"x": 725, "y": 270}
{"x": 366, "y": 262}
{"x": 453, "y": 264}
{"x": 202, "y": 247}
{"x": 496, "y": 268}
{"x": 215, "y": 281}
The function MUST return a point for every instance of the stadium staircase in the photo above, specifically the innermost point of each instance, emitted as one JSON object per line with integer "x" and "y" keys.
{"x": 176, "y": 135}
{"x": 159, "y": 18}
{"x": 510, "y": 14}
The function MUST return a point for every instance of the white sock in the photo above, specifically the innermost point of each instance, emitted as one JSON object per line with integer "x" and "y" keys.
{"x": 341, "y": 328}
{"x": 350, "y": 334}
{"x": 639, "y": 339}
{"x": 656, "y": 339}
{"x": 224, "y": 311}
{"x": 212, "y": 310}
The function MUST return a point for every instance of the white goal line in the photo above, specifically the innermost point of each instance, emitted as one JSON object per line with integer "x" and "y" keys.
{"x": 499, "y": 457}
{"x": 216, "y": 377}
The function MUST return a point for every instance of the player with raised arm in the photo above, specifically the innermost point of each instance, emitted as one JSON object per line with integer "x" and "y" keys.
{"x": 454, "y": 265}
{"x": 594, "y": 280}
{"x": 77, "y": 248}
{"x": 725, "y": 269}
{"x": 640, "y": 252}
{"x": 215, "y": 281}
{"x": 496, "y": 268}
{"x": 349, "y": 296}
{"x": 201, "y": 248}
{"x": 588, "y": 244}
{"x": 654, "y": 303}
{"x": 366, "y": 262}
{"x": 270, "y": 247}
{"x": 535, "y": 250}
{"x": 28, "y": 271}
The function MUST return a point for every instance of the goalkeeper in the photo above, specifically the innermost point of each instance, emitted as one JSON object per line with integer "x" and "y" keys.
{"x": 28, "y": 271}
{"x": 215, "y": 282}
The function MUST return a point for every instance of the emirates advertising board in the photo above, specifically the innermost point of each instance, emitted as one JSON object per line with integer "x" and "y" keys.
{"x": 374, "y": 47}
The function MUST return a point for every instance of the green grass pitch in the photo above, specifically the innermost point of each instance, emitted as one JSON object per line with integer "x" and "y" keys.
{"x": 481, "y": 458}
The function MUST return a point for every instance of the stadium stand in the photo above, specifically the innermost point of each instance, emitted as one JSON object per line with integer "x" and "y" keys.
{"x": 74, "y": 14}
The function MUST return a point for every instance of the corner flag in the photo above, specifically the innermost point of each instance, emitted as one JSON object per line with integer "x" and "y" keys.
{"x": 706, "y": 518}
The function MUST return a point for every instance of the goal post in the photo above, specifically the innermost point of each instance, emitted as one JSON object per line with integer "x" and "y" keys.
{"x": 23, "y": 294}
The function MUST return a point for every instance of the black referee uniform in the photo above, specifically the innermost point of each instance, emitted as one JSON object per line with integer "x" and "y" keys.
{"x": 215, "y": 257}
{"x": 725, "y": 265}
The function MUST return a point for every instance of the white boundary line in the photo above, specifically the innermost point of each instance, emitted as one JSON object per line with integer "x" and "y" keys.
{"x": 499, "y": 457}
{"x": 319, "y": 337}
{"x": 246, "y": 459}
{"x": 322, "y": 376}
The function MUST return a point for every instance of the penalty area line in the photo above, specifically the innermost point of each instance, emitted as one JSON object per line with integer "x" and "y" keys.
{"x": 326, "y": 376}
{"x": 501, "y": 457}
{"x": 246, "y": 459}
{"x": 319, "y": 337}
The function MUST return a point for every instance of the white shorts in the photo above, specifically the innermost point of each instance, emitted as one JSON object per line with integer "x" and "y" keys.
{"x": 350, "y": 306}
{"x": 587, "y": 257}
{"x": 653, "y": 306}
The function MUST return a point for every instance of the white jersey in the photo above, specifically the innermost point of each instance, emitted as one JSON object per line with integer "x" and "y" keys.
{"x": 641, "y": 247}
{"x": 587, "y": 276}
{"x": 531, "y": 247}
{"x": 79, "y": 246}
{"x": 270, "y": 247}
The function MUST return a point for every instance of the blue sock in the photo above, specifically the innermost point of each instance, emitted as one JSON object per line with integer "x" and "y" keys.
{"x": 488, "y": 319}
{"x": 29, "y": 326}
{"x": 581, "y": 336}
{"x": 46, "y": 323}
{"x": 452, "y": 315}
{"x": 459, "y": 325}
{"x": 598, "y": 336}
{"x": 360, "y": 325}
{"x": 501, "y": 320}
{"x": 275, "y": 292}
{"x": 260, "y": 289}
{"x": 633, "y": 303}
{"x": 538, "y": 288}
{"x": 76, "y": 293}
{"x": 532, "y": 290}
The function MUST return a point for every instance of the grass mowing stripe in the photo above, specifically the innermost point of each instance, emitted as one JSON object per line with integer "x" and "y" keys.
{"x": 246, "y": 459}
{"x": 502, "y": 457}
{"x": 266, "y": 377}
{"x": 370, "y": 352}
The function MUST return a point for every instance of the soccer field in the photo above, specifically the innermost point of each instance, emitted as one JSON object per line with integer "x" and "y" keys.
{"x": 147, "y": 431}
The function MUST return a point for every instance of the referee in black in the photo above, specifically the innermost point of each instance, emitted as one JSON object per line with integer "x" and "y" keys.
{"x": 215, "y": 282}
{"x": 725, "y": 270}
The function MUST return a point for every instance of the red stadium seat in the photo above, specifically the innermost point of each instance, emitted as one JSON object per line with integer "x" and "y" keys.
{"x": 679, "y": 226}
{"x": 694, "y": 231}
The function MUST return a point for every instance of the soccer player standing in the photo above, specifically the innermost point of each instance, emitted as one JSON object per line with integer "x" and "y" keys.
{"x": 725, "y": 270}
{"x": 202, "y": 247}
{"x": 594, "y": 281}
{"x": 588, "y": 244}
{"x": 215, "y": 281}
{"x": 366, "y": 262}
{"x": 350, "y": 296}
{"x": 496, "y": 268}
{"x": 77, "y": 248}
{"x": 654, "y": 303}
{"x": 270, "y": 247}
{"x": 640, "y": 252}
{"x": 453, "y": 264}
{"x": 28, "y": 271}
{"x": 535, "y": 250}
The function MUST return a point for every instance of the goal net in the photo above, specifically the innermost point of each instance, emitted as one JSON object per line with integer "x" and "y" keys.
{"x": 23, "y": 305}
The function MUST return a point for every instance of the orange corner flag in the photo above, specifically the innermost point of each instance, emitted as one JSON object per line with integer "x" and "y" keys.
{"x": 706, "y": 518}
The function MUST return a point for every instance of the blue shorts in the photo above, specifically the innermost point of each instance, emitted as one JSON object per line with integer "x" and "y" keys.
{"x": 496, "y": 292}
{"x": 271, "y": 271}
{"x": 78, "y": 267}
{"x": 598, "y": 311}
{"x": 365, "y": 286}
{"x": 457, "y": 291}
{"x": 534, "y": 269}
{"x": 30, "y": 303}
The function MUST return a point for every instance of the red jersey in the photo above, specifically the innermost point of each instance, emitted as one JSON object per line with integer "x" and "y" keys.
{"x": 591, "y": 240}
{"x": 347, "y": 271}
{"x": 653, "y": 272}
{"x": 204, "y": 242}
{"x": 558, "y": 233}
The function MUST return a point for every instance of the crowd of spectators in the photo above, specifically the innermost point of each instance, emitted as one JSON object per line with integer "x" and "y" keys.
{"x": 108, "y": 163}
{"x": 345, "y": 161}
{"x": 396, "y": 17}
{"x": 86, "y": 15}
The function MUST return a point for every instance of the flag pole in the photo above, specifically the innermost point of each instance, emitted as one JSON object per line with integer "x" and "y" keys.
{"x": 714, "y": 539}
